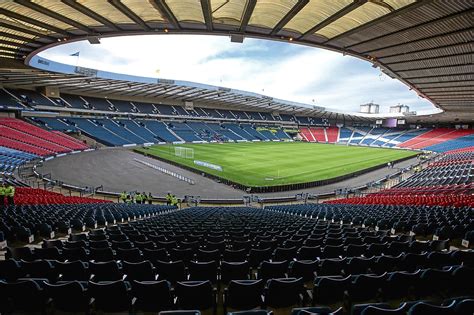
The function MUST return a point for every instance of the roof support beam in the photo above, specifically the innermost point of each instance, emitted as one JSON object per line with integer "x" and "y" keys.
{"x": 179, "y": 94}
{"x": 8, "y": 53}
{"x": 10, "y": 49}
{"x": 129, "y": 13}
{"x": 421, "y": 51}
{"x": 161, "y": 6}
{"x": 434, "y": 76}
{"x": 415, "y": 27}
{"x": 249, "y": 7}
{"x": 435, "y": 67}
{"x": 428, "y": 59}
{"x": 17, "y": 37}
{"x": 207, "y": 13}
{"x": 347, "y": 9}
{"x": 464, "y": 30}
{"x": 93, "y": 15}
{"x": 54, "y": 15}
{"x": 26, "y": 31}
{"x": 34, "y": 22}
{"x": 291, "y": 14}
{"x": 7, "y": 42}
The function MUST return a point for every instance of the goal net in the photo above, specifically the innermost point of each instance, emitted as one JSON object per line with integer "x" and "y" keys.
{"x": 186, "y": 153}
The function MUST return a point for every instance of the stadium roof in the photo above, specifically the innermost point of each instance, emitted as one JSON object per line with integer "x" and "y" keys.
{"x": 426, "y": 44}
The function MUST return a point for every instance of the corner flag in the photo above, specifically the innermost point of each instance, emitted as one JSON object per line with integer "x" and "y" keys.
{"x": 76, "y": 54}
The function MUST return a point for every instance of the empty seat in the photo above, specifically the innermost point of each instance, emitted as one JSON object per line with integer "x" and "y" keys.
{"x": 73, "y": 270}
{"x": 284, "y": 292}
{"x": 423, "y": 308}
{"x": 243, "y": 295}
{"x": 69, "y": 297}
{"x": 200, "y": 271}
{"x": 20, "y": 253}
{"x": 234, "y": 255}
{"x": 106, "y": 271}
{"x": 329, "y": 290}
{"x": 12, "y": 296}
{"x": 51, "y": 253}
{"x": 195, "y": 295}
{"x": 208, "y": 255}
{"x": 305, "y": 269}
{"x": 152, "y": 296}
{"x": 40, "y": 269}
{"x": 140, "y": 271}
{"x": 10, "y": 270}
{"x": 171, "y": 271}
{"x": 268, "y": 270}
{"x": 129, "y": 255}
{"x": 256, "y": 256}
{"x": 110, "y": 296}
{"x": 234, "y": 271}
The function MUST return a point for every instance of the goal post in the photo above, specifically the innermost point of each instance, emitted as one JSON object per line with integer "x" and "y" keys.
{"x": 186, "y": 153}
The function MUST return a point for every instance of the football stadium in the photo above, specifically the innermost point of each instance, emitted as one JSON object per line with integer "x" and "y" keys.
{"x": 287, "y": 157}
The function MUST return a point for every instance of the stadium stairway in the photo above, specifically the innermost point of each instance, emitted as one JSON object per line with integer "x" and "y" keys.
{"x": 307, "y": 135}
{"x": 332, "y": 134}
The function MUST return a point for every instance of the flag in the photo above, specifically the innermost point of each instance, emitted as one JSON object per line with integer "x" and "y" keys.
{"x": 76, "y": 54}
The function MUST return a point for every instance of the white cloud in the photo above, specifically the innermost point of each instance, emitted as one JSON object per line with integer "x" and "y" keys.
{"x": 295, "y": 73}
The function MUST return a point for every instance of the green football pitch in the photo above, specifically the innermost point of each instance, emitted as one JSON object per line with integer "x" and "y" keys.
{"x": 278, "y": 163}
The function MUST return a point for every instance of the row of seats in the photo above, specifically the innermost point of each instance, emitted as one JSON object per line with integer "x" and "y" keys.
{"x": 11, "y": 159}
{"x": 118, "y": 132}
{"x": 22, "y": 131}
{"x": 33, "y": 99}
{"x": 236, "y": 231}
{"x": 278, "y": 293}
{"x": 21, "y": 222}
{"x": 151, "y": 265}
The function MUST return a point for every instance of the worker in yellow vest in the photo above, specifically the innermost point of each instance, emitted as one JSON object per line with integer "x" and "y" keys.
{"x": 174, "y": 201}
{"x": 138, "y": 198}
{"x": 123, "y": 196}
{"x": 10, "y": 193}
{"x": 169, "y": 198}
{"x": 2, "y": 194}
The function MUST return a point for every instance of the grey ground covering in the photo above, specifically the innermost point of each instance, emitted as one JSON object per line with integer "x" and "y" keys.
{"x": 115, "y": 169}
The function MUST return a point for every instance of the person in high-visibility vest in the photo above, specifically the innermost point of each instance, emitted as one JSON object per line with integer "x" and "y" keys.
{"x": 169, "y": 198}
{"x": 10, "y": 192}
{"x": 174, "y": 201}
{"x": 123, "y": 196}
{"x": 138, "y": 198}
{"x": 2, "y": 194}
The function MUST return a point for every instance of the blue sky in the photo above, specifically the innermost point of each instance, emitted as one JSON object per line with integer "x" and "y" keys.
{"x": 282, "y": 70}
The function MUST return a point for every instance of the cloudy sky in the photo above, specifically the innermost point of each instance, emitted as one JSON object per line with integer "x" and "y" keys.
{"x": 291, "y": 72}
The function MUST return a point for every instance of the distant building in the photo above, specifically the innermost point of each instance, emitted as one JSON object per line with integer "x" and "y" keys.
{"x": 399, "y": 108}
{"x": 369, "y": 108}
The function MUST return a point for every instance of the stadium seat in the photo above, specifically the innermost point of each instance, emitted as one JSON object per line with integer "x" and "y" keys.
{"x": 69, "y": 296}
{"x": 152, "y": 296}
{"x": 284, "y": 292}
{"x": 110, "y": 296}
{"x": 243, "y": 295}
{"x": 200, "y": 295}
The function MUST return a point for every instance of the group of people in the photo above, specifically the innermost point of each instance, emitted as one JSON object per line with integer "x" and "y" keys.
{"x": 7, "y": 191}
{"x": 136, "y": 197}
{"x": 171, "y": 199}
{"x": 143, "y": 198}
